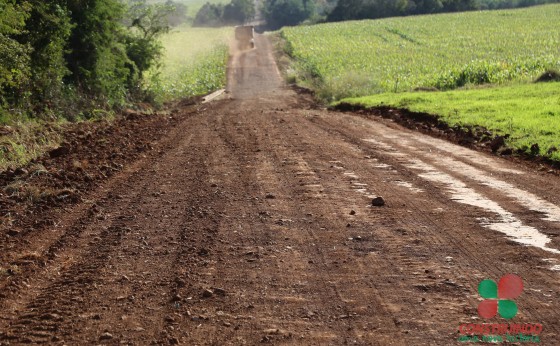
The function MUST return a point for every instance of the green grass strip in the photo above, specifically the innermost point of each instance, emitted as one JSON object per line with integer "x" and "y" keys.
{"x": 530, "y": 113}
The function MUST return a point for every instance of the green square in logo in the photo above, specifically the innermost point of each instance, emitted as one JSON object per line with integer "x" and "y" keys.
{"x": 488, "y": 289}
{"x": 507, "y": 309}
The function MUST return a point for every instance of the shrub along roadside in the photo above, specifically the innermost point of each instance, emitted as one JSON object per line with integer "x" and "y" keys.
{"x": 66, "y": 58}
{"x": 71, "y": 60}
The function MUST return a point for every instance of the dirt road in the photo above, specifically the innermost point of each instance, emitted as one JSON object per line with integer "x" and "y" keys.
{"x": 251, "y": 222}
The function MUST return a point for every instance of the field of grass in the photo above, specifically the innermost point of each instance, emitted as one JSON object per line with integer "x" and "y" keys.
{"x": 529, "y": 113}
{"x": 194, "y": 62}
{"x": 444, "y": 51}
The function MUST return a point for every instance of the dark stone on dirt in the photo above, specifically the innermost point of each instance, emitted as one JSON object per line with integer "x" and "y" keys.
{"x": 63, "y": 150}
{"x": 13, "y": 233}
{"x": 106, "y": 336}
{"x": 497, "y": 143}
{"x": 20, "y": 171}
{"x": 180, "y": 282}
{"x": 219, "y": 291}
{"x": 270, "y": 196}
{"x": 207, "y": 293}
{"x": 173, "y": 341}
{"x": 51, "y": 317}
{"x": 506, "y": 152}
{"x": 378, "y": 202}
{"x": 352, "y": 212}
{"x": 169, "y": 319}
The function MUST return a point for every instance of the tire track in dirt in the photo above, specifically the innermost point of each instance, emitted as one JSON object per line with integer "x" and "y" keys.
{"x": 501, "y": 253}
{"x": 101, "y": 241}
{"x": 255, "y": 225}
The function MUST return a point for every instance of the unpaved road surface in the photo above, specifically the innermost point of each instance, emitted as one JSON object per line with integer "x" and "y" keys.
{"x": 251, "y": 222}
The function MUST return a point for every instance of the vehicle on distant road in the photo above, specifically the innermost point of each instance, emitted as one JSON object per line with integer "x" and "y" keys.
{"x": 245, "y": 36}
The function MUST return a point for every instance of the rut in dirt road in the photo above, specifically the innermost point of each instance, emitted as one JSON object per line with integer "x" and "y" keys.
{"x": 251, "y": 222}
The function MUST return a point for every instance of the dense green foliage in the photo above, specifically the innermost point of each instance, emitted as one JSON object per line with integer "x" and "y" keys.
{"x": 371, "y": 9}
{"x": 278, "y": 13}
{"x": 237, "y": 12}
{"x": 436, "y": 51}
{"x": 70, "y": 56}
{"x": 178, "y": 13}
{"x": 529, "y": 113}
{"x": 15, "y": 69}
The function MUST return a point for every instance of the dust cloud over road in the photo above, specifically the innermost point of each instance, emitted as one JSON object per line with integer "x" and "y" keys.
{"x": 253, "y": 224}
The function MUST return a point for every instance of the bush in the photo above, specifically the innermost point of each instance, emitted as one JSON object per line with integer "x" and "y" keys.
{"x": 14, "y": 56}
{"x": 65, "y": 57}
{"x": 209, "y": 15}
{"x": 237, "y": 12}
{"x": 47, "y": 31}
{"x": 279, "y": 13}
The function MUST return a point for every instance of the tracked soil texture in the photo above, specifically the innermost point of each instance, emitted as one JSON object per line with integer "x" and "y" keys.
{"x": 249, "y": 220}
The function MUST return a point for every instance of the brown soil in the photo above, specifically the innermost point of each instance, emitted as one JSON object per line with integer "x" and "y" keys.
{"x": 249, "y": 220}
{"x": 474, "y": 137}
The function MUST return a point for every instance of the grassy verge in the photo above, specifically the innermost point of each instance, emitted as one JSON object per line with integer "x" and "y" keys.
{"x": 22, "y": 142}
{"x": 529, "y": 113}
{"x": 194, "y": 62}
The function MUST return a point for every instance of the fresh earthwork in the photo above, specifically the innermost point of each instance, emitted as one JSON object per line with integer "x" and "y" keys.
{"x": 256, "y": 218}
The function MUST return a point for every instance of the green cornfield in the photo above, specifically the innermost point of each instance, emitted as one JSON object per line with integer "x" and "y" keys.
{"x": 444, "y": 51}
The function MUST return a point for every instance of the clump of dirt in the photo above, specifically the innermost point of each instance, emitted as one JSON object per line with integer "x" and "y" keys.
{"x": 549, "y": 76}
{"x": 474, "y": 137}
{"x": 90, "y": 154}
{"x": 426, "y": 89}
{"x": 425, "y": 122}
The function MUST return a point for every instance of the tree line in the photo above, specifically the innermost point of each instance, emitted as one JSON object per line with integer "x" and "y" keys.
{"x": 278, "y": 13}
{"x": 70, "y": 57}
{"x": 373, "y": 9}
{"x": 237, "y": 12}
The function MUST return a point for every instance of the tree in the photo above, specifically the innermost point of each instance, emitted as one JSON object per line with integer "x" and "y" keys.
{"x": 97, "y": 57}
{"x": 278, "y": 13}
{"x": 178, "y": 15}
{"x": 47, "y": 31}
{"x": 209, "y": 15}
{"x": 14, "y": 56}
{"x": 239, "y": 12}
{"x": 147, "y": 23}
